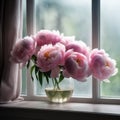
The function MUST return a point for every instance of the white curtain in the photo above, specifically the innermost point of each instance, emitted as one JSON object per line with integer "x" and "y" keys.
{"x": 10, "y": 31}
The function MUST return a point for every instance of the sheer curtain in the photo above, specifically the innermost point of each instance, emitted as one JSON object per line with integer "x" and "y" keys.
{"x": 10, "y": 31}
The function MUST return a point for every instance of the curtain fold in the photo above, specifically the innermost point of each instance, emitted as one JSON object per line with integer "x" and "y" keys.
{"x": 10, "y": 31}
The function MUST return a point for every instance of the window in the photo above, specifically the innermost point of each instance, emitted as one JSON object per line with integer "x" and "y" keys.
{"x": 67, "y": 17}
{"x": 110, "y": 29}
{"x": 88, "y": 20}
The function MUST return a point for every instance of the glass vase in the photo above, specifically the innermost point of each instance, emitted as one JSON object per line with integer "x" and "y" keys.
{"x": 59, "y": 92}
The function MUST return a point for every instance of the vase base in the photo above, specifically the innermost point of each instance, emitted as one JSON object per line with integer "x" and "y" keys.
{"x": 58, "y": 96}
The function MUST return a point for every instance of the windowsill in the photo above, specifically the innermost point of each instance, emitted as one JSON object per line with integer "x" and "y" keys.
{"x": 45, "y": 110}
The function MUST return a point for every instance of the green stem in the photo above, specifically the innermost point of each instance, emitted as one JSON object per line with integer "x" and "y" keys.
{"x": 57, "y": 84}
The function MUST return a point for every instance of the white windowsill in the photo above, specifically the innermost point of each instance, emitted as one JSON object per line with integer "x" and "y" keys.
{"x": 76, "y": 107}
{"x": 73, "y": 108}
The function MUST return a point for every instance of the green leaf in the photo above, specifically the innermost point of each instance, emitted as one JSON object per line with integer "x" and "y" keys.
{"x": 48, "y": 73}
{"x": 32, "y": 78}
{"x": 36, "y": 72}
{"x": 32, "y": 68}
{"x": 61, "y": 77}
{"x": 31, "y": 71}
{"x": 40, "y": 78}
{"x": 28, "y": 63}
{"x": 34, "y": 58}
{"x": 36, "y": 75}
{"x": 47, "y": 77}
{"x": 36, "y": 69}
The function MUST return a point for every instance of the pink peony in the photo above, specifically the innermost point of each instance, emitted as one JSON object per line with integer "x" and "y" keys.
{"x": 102, "y": 66}
{"x": 23, "y": 50}
{"x": 67, "y": 40}
{"x": 56, "y": 56}
{"x": 79, "y": 46}
{"x": 47, "y": 37}
{"x": 50, "y": 56}
{"x": 76, "y": 66}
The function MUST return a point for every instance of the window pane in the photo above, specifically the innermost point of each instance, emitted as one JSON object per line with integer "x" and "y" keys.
{"x": 23, "y": 35}
{"x": 71, "y": 17}
{"x": 110, "y": 41}
{"x": 24, "y": 81}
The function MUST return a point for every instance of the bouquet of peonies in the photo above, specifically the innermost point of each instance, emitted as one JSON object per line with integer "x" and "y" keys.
{"x": 56, "y": 56}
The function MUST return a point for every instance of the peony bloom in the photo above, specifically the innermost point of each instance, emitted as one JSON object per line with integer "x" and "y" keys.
{"x": 50, "y": 56}
{"x": 79, "y": 46}
{"x": 55, "y": 57}
{"x": 47, "y": 37}
{"x": 23, "y": 50}
{"x": 102, "y": 66}
{"x": 76, "y": 66}
{"x": 67, "y": 40}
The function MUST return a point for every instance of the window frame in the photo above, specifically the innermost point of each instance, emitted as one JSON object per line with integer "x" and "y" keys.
{"x": 30, "y": 4}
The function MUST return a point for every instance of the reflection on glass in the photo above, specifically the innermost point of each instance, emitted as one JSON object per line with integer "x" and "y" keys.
{"x": 71, "y": 17}
{"x": 110, "y": 41}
